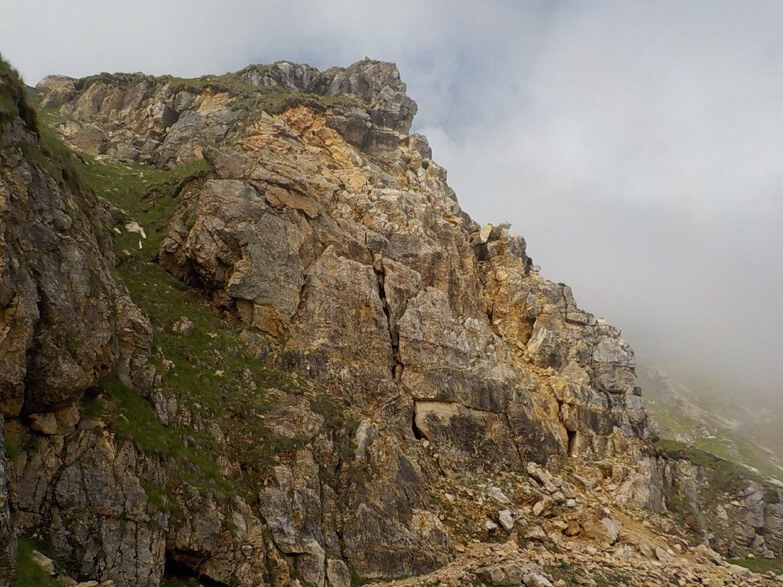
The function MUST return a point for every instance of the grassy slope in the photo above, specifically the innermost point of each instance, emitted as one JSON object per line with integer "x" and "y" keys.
{"x": 760, "y": 565}
{"x": 28, "y": 572}
{"x": 208, "y": 362}
{"x": 737, "y": 444}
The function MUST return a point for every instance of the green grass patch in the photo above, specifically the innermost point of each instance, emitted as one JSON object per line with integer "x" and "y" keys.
{"x": 357, "y": 580}
{"x": 683, "y": 511}
{"x": 133, "y": 418}
{"x": 760, "y": 564}
{"x": 13, "y": 98}
{"x": 12, "y": 449}
{"x": 28, "y": 572}
{"x": 146, "y": 193}
{"x": 160, "y": 497}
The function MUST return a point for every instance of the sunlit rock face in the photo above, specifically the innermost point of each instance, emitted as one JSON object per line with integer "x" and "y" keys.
{"x": 327, "y": 234}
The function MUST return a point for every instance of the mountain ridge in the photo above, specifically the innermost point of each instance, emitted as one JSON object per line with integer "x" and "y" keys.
{"x": 332, "y": 374}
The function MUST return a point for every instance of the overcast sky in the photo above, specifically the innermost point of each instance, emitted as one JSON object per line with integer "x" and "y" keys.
{"x": 637, "y": 146}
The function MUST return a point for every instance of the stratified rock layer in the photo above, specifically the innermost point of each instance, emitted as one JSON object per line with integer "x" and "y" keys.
{"x": 445, "y": 392}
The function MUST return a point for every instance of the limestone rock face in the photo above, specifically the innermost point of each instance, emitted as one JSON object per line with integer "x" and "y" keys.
{"x": 357, "y": 269}
{"x": 134, "y": 117}
{"x": 64, "y": 325}
{"x": 100, "y": 514}
{"x": 440, "y": 392}
{"x": 60, "y": 309}
{"x": 740, "y": 518}
{"x": 344, "y": 251}
{"x": 85, "y": 488}
{"x": 377, "y": 83}
{"x": 224, "y": 542}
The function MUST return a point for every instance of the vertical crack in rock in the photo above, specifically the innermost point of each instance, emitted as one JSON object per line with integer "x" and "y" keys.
{"x": 571, "y": 434}
{"x": 520, "y": 453}
{"x": 571, "y": 442}
{"x": 394, "y": 334}
{"x": 417, "y": 432}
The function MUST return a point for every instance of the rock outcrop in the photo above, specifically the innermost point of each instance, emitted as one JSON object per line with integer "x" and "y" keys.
{"x": 63, "y": 316}
{"x": 736, "y": 512}
{"x": 416, "y": 388}
{"x": 63, "y": 325}
{"x": 7, "y": 533}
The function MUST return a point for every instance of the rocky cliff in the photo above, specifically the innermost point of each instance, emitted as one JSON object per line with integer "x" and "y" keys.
{"x": 251, "y": 338}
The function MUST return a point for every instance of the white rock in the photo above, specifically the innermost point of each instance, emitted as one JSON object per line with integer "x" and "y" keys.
{"x": 612, "y": 528}
{"x": 536, "y": 580}
{"x": 484, "y": 233}
{"x": 134, "y": 226}
{"x": 45, "y": 562}
{"x": 660, "y": 554}
{"x": 337, "y": 573}
{"x": 497, "y": 494}
{"x": 505, "y": 519}
{"x": 540, "y": 506}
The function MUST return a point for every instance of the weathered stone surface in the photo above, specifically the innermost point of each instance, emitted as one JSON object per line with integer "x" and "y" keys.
{"x": 434, "y": 364}
{"x": 44, "y": 562}
{"x": 58, "y": 300}
{"x": 389, "y": 528}
{"x": 7, "y": 535}
{"x": 337, "y": 573}
{"x": 506, "y": 520}
{"x": 292, "y": 510}
{"x": 379, "y": 84}
{"x": 743, "y": 518}
{"x": 135, "y": 117}
{"x": 222, "y": 542}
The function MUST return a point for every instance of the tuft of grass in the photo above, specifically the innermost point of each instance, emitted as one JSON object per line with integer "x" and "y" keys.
{"x": 27, "y": 571}
{"x": 682, "y": 510}
{"x": 12, "y": 449}
{"x": 13, "y": 99}
{"x": 724, "y": 476}
{"x": 357, "y": 580}
{"x": 759, "y": 564}
{"x": 133, "y": 418}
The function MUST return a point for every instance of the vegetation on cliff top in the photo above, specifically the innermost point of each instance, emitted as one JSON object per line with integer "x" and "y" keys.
{"x": 247, "y": 98}
{"x": 13, "y": 101}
